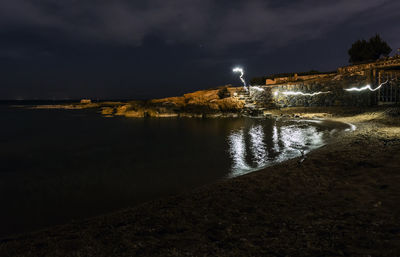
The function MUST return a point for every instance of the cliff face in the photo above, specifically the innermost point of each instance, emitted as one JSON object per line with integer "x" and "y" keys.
{"x": 196, "y": 104}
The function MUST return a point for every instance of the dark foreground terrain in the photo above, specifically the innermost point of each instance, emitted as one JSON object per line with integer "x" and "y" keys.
{"x": 341, "y": 200}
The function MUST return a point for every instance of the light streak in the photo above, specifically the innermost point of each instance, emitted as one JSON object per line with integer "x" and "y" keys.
{"x": 304, "y": 94}
{"x": 352, "y": 127}
{"x": 237, "y": 69}
{"x": 358, "y": 89}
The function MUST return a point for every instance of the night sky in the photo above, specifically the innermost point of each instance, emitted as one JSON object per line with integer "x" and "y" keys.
{"x": 143, "y": 49}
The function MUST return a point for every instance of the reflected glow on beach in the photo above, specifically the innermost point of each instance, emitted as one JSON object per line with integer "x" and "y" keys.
{"x": 249, "y": 150}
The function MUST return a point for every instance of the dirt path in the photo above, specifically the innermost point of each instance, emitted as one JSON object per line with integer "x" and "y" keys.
{"x": 342, "y": 200}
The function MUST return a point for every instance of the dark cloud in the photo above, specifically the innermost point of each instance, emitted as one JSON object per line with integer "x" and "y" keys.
{"x": 204, "y": 21}
{"x": 111, "y": 48}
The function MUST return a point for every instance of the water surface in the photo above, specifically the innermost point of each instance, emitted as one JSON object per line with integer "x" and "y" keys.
{"x": 61, "y": 165}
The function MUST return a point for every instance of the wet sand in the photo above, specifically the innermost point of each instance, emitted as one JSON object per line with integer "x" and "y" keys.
{"x": 341, "y": 200}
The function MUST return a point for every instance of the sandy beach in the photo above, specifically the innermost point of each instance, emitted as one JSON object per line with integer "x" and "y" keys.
{"x": 340, "y": 200}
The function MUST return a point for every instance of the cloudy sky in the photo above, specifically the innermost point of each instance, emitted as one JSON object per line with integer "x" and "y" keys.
{"x": 154, "y": 48}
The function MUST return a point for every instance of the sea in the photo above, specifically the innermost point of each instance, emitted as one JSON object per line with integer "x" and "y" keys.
{"x": 59, "y": 166}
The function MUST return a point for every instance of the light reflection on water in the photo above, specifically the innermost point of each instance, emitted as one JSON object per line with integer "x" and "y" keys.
{"x": 250, "y": 151}
{"x": 77, "y": 164}
{"x": 258, "y": 149}
{"x": 238, "y": 150}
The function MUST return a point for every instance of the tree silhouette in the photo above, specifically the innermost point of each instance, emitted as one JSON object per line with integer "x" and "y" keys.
{"x": 370, "y": 50}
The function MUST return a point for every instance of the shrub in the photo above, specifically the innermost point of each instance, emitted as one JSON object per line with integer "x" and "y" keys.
{"x": 371, "y": 50}
{"x": 223, "y": 93}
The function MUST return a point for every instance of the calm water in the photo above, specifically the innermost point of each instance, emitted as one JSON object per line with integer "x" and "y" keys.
{"x": 61, "y": 165}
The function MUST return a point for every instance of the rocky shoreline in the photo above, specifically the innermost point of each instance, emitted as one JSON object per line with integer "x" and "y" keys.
{"x": 228, "y": 101}
{"x": 212, "y": 103}
{"x": 341, "y": 200}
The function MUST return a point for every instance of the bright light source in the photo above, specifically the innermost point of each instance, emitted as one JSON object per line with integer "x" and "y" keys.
{"x": 237, "y": 69}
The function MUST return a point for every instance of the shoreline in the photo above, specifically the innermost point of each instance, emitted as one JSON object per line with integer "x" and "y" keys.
{"x": 342, "y": 199}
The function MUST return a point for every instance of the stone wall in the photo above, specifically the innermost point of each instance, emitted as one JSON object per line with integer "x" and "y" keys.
{"x": 382, "y": 63}
{"x": 337, "y": 96}
{"x": 295, "y": 78}
{"x": 261, "y": 96}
